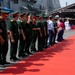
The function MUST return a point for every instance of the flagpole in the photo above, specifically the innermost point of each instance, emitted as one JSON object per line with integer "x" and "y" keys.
{"x": 0, "y": 5}
{"x": 9, "y": 4}
{"x": 0, "y": 2}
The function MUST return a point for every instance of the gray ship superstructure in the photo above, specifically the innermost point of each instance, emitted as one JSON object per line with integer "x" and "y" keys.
{"x": 33, "y": 6}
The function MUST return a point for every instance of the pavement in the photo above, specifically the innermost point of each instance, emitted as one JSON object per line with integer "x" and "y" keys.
{"x": 68, "y": 33}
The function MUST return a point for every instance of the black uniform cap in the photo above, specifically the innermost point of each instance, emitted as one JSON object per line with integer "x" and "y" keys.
{"x": 3, "y": 11}
{"x": 22, "y": 14}
{"x": 15, "y": 14}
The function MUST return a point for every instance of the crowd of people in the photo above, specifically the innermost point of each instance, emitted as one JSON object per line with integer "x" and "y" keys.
{"x": 43, "y": 29}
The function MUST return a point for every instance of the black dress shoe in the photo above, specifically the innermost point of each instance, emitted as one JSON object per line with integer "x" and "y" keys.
{"x": 7, "y": 63}
{"x": 16, "y": 59}
{"x": 35, "y": 50}
{"x": 29, "y": 53}
{"x": 1, "y": 63}
{"x": 22, "y": 56}
{"x": 13, "y": 60}
{"x": 63, "y": 39}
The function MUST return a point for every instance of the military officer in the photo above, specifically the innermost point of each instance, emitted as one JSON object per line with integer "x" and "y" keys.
{"x": 35, "y": 30}
{"x": 14, "y": 33}
{"x": 3, "y": 37}
{"x": 22, "y": 28}
{"x": 28, "y": 34}
{"x": 40, "y": 35}
{"x": 55, "y": 29}
{"x": 45, "y": 31}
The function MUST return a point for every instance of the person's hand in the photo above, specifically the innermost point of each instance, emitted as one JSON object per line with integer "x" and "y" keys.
{"x": 8, "y": 32}
{"x": 1, "y": 40}
{"x": 40, "y": 34}
{"x": 38, "y": 29}
{"x": 53, "y": 32}
{"x": 45, "y": 34}
{"x": 0, "y": 31}
{"x": 12, "y": 40}
{"x": 24, "y": 38}
{"x": 29, "y": 19}
{"x": 29, "y": 16}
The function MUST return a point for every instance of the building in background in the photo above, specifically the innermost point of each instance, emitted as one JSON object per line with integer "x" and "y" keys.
{"x": 1, "y": 2}
{"x": 33, "y": 6}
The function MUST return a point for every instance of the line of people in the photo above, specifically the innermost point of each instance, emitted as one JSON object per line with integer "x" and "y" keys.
{"x": 44, "y": 29}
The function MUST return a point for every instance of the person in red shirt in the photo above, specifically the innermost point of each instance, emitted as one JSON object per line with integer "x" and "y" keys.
{"x": 60, "y": 30}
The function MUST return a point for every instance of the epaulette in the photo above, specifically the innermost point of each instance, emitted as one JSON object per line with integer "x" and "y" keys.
{"x": 21, "y": 21}
{"x": 11, "y": 20}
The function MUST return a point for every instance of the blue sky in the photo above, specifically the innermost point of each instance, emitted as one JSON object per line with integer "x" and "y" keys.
{"x": 63, "y": 2}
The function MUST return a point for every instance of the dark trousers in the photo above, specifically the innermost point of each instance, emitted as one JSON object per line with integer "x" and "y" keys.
{"x": 50, "y": 37}
{"x": 28, "y": 43}
{"x": 21, "y": 47}
{"x": 13, "y": 49}
{"x": 40, "y": 43}
{"x": 45, "y": 41}
{"x": 60, "y": 36}
{"x": 33, "y": 42}
{"x": 54, "y": 37}
{"x": 3, "y": 51}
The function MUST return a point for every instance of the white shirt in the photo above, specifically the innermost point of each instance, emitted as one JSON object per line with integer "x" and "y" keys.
{"x": 50, "y": 25}
{"x": 67, "y": 25}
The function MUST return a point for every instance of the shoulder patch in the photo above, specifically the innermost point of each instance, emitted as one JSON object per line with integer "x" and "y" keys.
{"x": 21, "y": 21}
{"x": 11, "y": 20}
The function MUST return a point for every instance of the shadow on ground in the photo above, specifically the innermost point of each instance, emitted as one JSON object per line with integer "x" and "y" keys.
{"x": 44, "y": 55}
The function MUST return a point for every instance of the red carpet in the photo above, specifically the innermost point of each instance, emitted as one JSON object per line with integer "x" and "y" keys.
{"x": 56, "y": 60}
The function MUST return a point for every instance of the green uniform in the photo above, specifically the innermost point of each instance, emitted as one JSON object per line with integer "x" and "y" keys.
{"x": 3, "y": 47}
{"x": 40, "y": 39}
{"x": 22, "y": 41}
{"x": 34, "y": 38}
{"x": 55, "y": 31}
{"x": 15, "y": 34}
{"x": 45, "y": 36}
{"x": 28, "y": 37}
